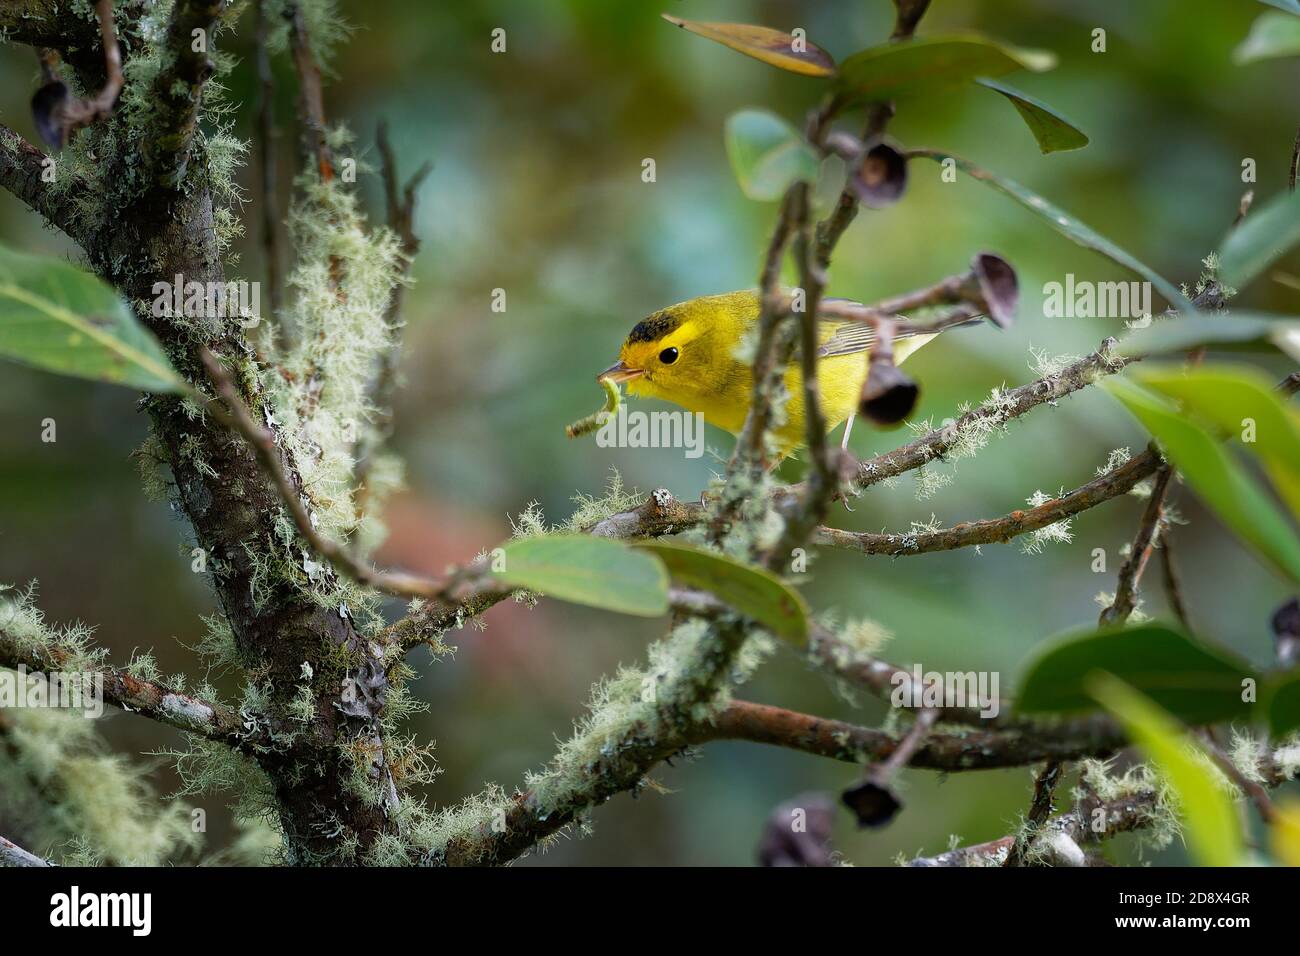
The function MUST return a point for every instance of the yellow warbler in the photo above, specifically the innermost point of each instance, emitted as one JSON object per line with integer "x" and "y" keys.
{"x": 686, "y": 354}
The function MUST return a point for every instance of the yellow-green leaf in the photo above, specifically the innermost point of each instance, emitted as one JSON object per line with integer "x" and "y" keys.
{"x": 1211, "y": 827}
{"x": 596, "y": 572}
{"x": 1246, "y": 331}
{"x": 767, "y": 154}
{"x": 1271, "y": 35}
{"x": 1052, "y": 131}
{"x": 60, "y": 318}
{"x": 787, "y": 51}
{"x": 1284, "y": 835}
{"x": 1244, "y": 404}
{"x": 1221, "y": 482}
{"x": 927, "y": 64}
{"x": 754, "y": 592}
{"x": 1260, "y": 239}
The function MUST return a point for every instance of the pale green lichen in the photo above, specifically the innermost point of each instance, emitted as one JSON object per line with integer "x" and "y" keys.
{"x": 69, "y": 799}
{"x": 1056, "y": 533}
{"x": 1117, "y": 457}
{"x": 592, "y": 508}
{"x": 1160, "y": 824}
{"x": 637, "y": 710}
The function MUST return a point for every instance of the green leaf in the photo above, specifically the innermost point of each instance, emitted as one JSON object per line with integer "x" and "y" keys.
{"x": 924, "y": 65}
{"x": 767, "y": 154}
{"x": 1211, "y": 827}
{"x": 1260, "y": 239}
{"x": 1290, "y": 6}
{"x": 1284, "y": 705}
{"x": 596, "y": 572}
{"x": 1231, "y": 396}
{"x": 1051, "y": 130}
{"x": 1199, "y": 683}
{"x": 57, "y": 317}
{"x": 1271, "y": 35}
{"x": 754, "y": 592}
{"x": 773, "y": 47}
{"x": 1221, "y": 482}
{"x": 1064, "y": 223}
{"x": 1239, "y": 330}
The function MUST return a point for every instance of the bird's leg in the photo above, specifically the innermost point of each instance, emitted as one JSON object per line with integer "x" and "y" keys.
{"x": 848, "y": 430}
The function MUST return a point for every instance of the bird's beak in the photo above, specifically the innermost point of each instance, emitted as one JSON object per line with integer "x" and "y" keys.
{"x": 618, "y": 373}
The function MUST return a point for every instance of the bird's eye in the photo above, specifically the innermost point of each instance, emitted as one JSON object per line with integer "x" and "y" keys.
{"x": 668, "y": 356}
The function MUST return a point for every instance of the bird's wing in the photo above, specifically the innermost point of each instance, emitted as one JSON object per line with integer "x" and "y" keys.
{"x": 843, "y": 337}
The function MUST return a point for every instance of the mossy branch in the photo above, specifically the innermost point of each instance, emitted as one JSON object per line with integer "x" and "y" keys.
{"x": 143, "y": 697}
{"x": 11, "y": 854}
{"x": 21, "y": 168}
{"x": 496, "y": 837}
{"x": 1110, "y": 485}
{"x": 1093, "y": 820}
{"x": 53, "y": 25}
{"x": 178, "y": 88}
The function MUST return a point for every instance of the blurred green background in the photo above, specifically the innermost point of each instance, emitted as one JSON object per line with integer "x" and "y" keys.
{"x": 537, "y": 190}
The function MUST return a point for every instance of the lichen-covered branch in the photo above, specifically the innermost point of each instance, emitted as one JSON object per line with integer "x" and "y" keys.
{"x": 1130, "y": 812}
{"x": 1110, "y": 485}
{"x": 51, "y": 24}
{"x": 750, "y": 455}
{"x": 11, "y": 854}
{"x": 400, "y": 202}
{"x": 1010, "y": 404}
{"x": 178, "y": 88}
{"x": 262, "y": 440}
{"x": 526, "y": 821}
{"x": 949, "y": 752}
{"x": 1093, "y": 820}
{"x": 21, "y": 169}
{"x": 1040, "y": 808}
{"x": 146, "y": 698}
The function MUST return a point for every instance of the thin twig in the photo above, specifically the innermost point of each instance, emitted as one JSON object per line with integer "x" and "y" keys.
{"x": 1011, "y": 403}
{"x": 1040, "y": 808}
{"x": 1130, "y": 574}
{"x": 998, "y": 530}
{"x": 267, "y": 137}
{"x": 823, "y": 482}
{"x": 456, "y": 586}
{"x": 1173, "y": 586}
{"x": 1251, "y": 788}
{"x": 1295, "y": 162}
{"x": 311, "y": 99}
{"x": 751, "y": 445}
{"x": 59, "y": 114}
{"x": 400, "y": 202}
